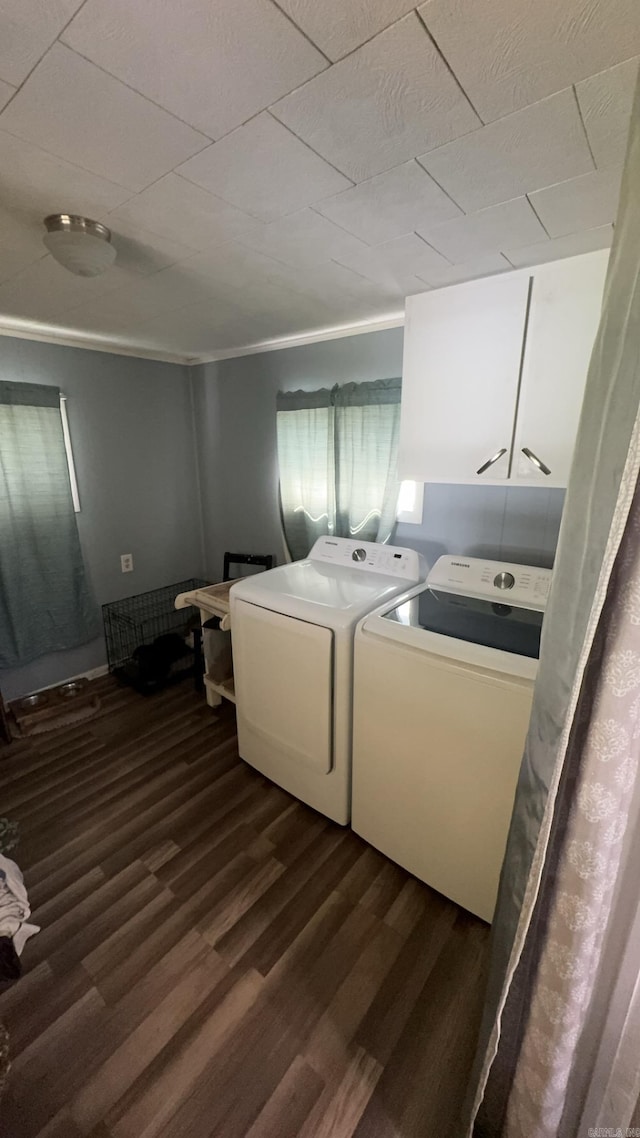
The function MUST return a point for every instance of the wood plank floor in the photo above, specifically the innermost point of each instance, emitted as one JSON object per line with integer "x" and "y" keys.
{"x": 216, "y": 958}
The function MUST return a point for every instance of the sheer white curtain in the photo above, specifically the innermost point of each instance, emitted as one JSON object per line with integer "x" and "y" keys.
{"x": 337, "y": 453}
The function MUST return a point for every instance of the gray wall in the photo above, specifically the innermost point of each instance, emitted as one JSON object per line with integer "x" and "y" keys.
{"x": 131, "y": 426}
{"x": 142, "y": 491}
{"x": 236, "y": 432}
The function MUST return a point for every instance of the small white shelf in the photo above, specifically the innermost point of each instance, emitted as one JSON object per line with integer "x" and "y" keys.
{"x": 212, "y": 600}
{"x": 224, "y": 688}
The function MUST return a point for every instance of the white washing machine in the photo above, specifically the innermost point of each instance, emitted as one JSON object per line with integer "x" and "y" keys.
{"x": 443, "y": 685}
{"x": 292, "y": 633}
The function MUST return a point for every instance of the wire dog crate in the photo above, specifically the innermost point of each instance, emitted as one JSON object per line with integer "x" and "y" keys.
{"x": 147, "y": 637}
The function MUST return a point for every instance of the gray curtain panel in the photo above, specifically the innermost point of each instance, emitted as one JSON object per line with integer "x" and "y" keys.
{"x": 45, "y": 601}
{"x": 337, "y": 453}
{"x": 559, "y": 757}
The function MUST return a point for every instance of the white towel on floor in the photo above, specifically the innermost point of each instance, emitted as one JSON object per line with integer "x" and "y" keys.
{"x": 14, "y": 905}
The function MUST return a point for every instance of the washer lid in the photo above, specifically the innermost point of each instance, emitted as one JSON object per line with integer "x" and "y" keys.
{"x": 332, "y": 595}
{"x": 493, "y": 624}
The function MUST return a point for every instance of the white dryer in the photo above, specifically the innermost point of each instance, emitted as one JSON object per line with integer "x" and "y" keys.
{"x": 443, "y": 685}
{"x": 292, "y": 633}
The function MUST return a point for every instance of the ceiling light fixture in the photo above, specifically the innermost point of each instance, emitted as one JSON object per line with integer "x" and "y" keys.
{"x": 79, "y": 244}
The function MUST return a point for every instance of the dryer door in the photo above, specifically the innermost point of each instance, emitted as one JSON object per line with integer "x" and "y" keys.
{"x": 283, "y": 670}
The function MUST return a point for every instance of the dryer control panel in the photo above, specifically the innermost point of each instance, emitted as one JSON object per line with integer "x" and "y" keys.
{"x": 370, "y": 557}
{"x": 526, "y": 586}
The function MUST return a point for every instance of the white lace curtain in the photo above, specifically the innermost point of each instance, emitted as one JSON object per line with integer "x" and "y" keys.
{"x": 337, "y": 454}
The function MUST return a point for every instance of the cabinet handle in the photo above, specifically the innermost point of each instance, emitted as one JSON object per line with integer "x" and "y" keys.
{"x": 490, "y": 461}
{"x": 535, "y": 460}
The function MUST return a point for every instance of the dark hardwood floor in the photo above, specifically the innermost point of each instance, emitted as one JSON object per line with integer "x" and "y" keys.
{"x": 216, "y": 958}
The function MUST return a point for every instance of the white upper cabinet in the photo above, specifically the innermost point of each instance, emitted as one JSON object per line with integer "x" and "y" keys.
{"x": 462, "y": 350}
{"x": 563, "y": 320}
{"x": 494, "y": 374}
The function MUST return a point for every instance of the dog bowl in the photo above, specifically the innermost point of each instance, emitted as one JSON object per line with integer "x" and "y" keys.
{"x": 71, "y": 689}
{"x": 30, "y": 702}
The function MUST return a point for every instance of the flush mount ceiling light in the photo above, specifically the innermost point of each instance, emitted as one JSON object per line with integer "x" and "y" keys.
{"x": 79, "y": 244}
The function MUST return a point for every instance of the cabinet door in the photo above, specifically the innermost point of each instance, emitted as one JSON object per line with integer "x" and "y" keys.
{"x": 462, "y": 356}
{"x": 563, "y": 320}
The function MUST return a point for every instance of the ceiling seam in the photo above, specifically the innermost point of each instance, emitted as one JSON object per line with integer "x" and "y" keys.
{"x": 302, "y": 33}
{"x": 536, "y": 212}
{"x": 68, "y": 162}
{"x": 363, "y": 43}
{"x": 433, "y": 248}
{"x": 317, "y": 153}
{"x": 253, "y": 216}
{"x": 583, "y": 125}
{"x": 270, "y": 110}
{"x": 450, "y": 70}
{"x": 40, "y": 58}
{"x": 140, "y": 94}
{"x": 439, "y": 184}
{"x": 358, "y": 185}
{"x": 337, "y": 62}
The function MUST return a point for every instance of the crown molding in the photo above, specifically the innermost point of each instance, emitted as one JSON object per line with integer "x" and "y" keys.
{"x": 378, "y": 324}
{"x": 46, "y": 334}
{"x": 49, "y": 334}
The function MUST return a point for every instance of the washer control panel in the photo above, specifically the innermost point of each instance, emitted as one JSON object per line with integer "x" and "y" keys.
{"x": 370, "y": 557}
{"x": 524, "y": 585}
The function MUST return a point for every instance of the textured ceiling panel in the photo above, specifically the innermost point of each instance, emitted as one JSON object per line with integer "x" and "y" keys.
{"x": 503, "y": 226}
{"x": 303, "y": 238}
{"x": 605, "y": 101}
{"x": 73, "y": 110}
{"x": 234, "y": 266}
{"x": 135, "y": 303}
{"x": 397, "y": 263}
{"x": 509, "y": 53}
{"x": 31, "y": 179}
{"x": 393, "y": 203}
{"x": 336, "y": 286}
{"x": 542, "y": 144}
{"x": 392, "y": 99}
{"x": 264, "y": 169}
{"x": 182, "y": 212}
{"x": 262, "y": 233}
{"x": 470, "y": 270}
{"x": 570, "y": 246}
{"x": 276, "y": 314}
{"x": 144, "y": 252}
{"x": 340, "y": 26}
{"x": 20, "y": 243}
{"x": 582, "y": 203}
{"x": 212, "y": 64}
{"x": 5, "y": 93}
{"x": 27, "y": 29}
{"x": 45, "y": 289}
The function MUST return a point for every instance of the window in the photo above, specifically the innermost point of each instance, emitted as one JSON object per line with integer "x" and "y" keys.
{"x": 410, "y": 503}
{"x": 337, "y": 453}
